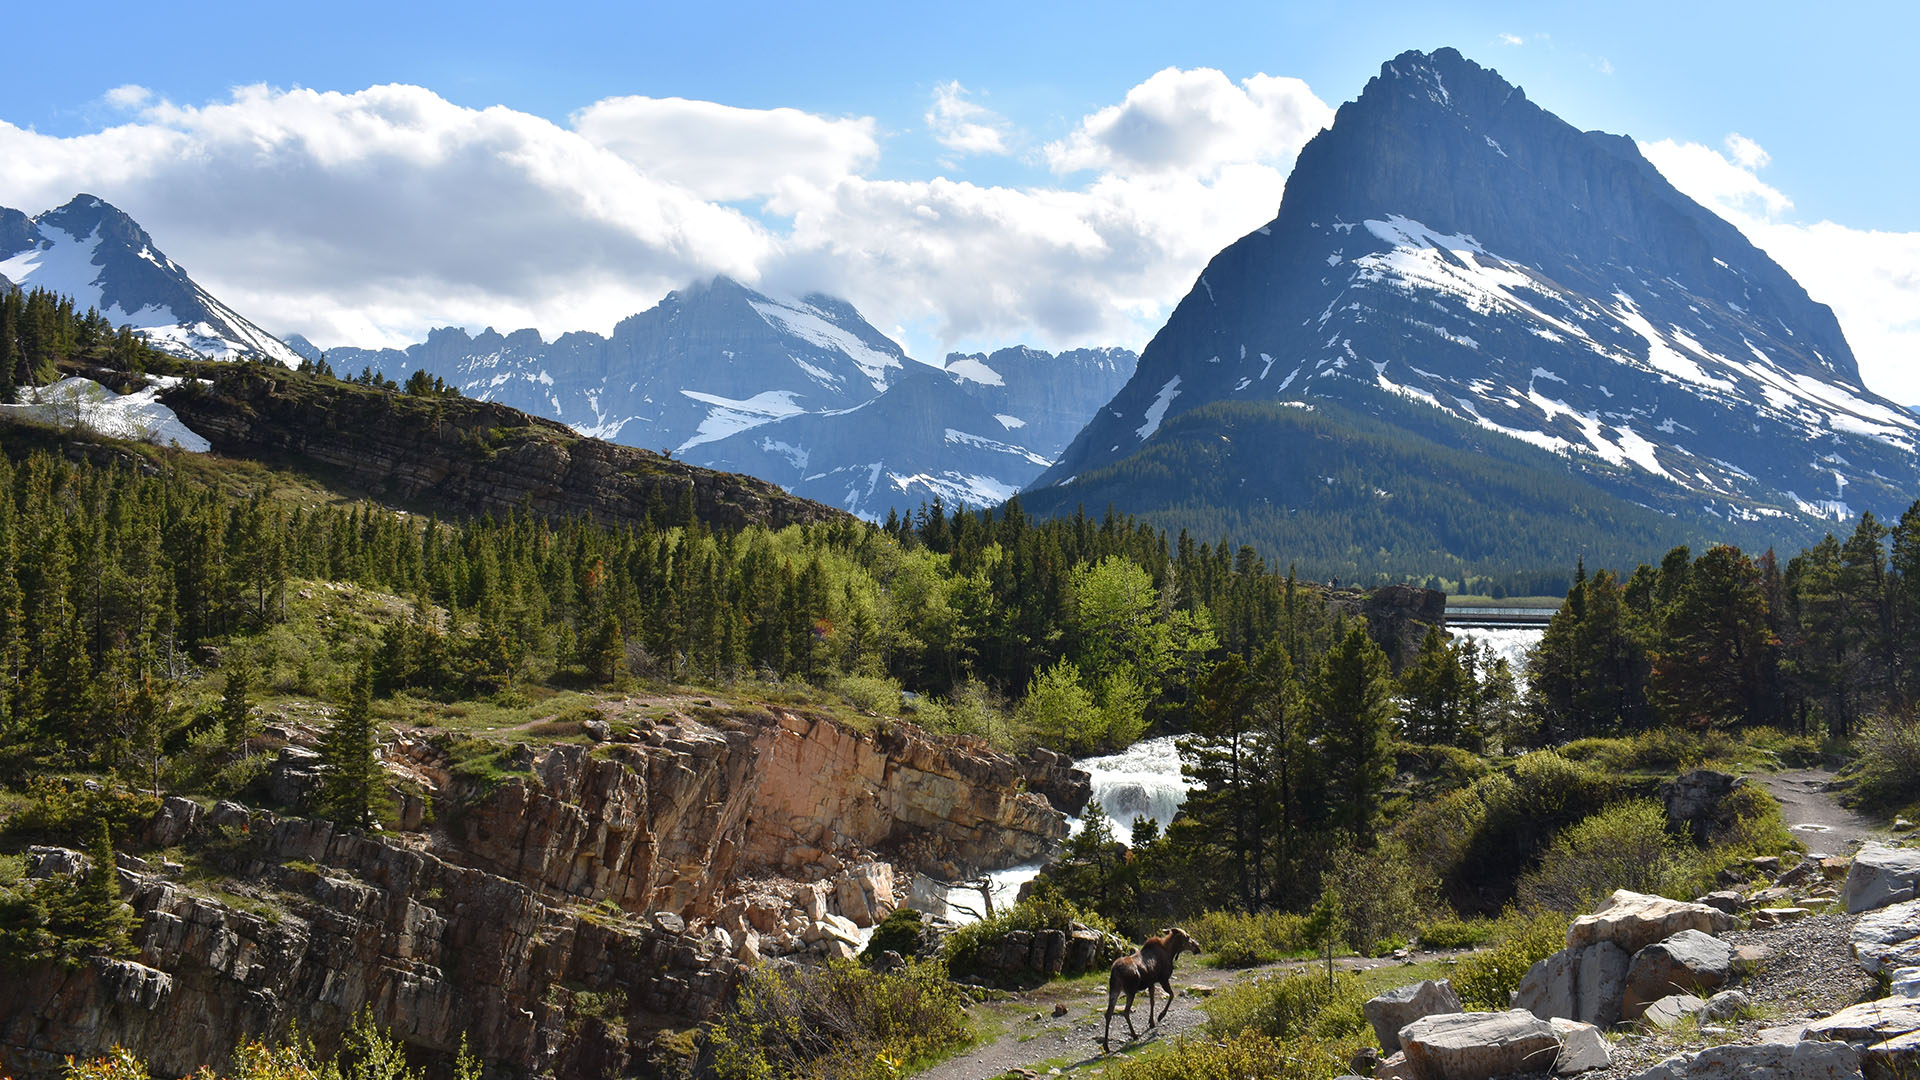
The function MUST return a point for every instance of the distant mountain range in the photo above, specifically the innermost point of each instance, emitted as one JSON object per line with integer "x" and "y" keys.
{"x": 804, "y": 392}
{"x": 1454, "y": 269}
{"x": 1473, "y": 340}
{"x": 91, "y": 251}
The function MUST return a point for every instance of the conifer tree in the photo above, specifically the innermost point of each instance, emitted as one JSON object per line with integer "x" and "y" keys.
{"x": 1353, "y": 707}
{"x": 351, "y": 787}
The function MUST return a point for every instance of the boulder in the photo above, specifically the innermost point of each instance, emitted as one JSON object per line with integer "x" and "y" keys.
{"x": 1807, "y": 869}
{"x": 1726, "y": 1005}
{"x": 1883, "y": 937}
{"x": 1689, "y": 960}
{"x": 175, "y": 821}
{"x": 1868, "y": 1022}
{"x": 1727, "y": 900}
{"x": 1774, "y": 916}
{"x": 1895, "y": 1059}
{"x": 1576, "y": 984}
{"x": 1904, "y": 982}
{"x": 1582, "y": 1047}
{"x": 1401, "y": 1006}
{"x": 1634, "y": 921}
{"x": 1693, "y": 799}
{"x": 1762, "y": 1061}
{"x": 1474, "y": 1046}
{"x": 1881, "y": 875}
{"x": 1670, "y": 1010}
{"x": 227, "y": 814}
{"x": 49, "y": 862}
{"x": 1748, "y": 959}
{"x": 1395, "y": 1067}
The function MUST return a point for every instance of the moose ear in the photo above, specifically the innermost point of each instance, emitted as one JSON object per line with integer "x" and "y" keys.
{"x": 1165, "y": 930}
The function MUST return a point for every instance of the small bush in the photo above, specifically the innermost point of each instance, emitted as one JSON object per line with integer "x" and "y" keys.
{"x": 901, "y": 932}
{"x": 1659, "y": 750}
{"x": 1487, "y": 980}
{"x": 1625, "y": 846}
{"x": 1236, "y": 939}
{"x": 1382, "y": 895}
{"x": 870, "y": 694}
{"x": 1794, "y": 751}
{"x": 1299, "y": 1006}
{"x": 1886, "y": 770}
{"x": 1448, "y": 933}
{"x": 1238, "y": 1056}
{"x": 839, "y": 1021}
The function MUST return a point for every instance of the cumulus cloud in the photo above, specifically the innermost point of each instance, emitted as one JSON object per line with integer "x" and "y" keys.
{"x": 1194, "y": 121}
{"x": 368, "y": 217}
{"x": 1870, "y": 278}
{"x": 965, "y": 126}
{"x": 724, "y": 153}
{"x": 129, "y": 96}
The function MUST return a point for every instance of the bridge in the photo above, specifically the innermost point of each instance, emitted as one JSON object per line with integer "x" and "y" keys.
{"x": 1498, "y": 618}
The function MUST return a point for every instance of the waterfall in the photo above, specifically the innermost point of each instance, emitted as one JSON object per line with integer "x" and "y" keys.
{"x": 1510, "y": 643}
{"x": 1144, "y": 779}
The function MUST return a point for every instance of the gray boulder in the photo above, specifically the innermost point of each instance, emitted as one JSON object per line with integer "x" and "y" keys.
{"x": 1401, "y": 1006}
{"x": 1670, "y": 1010}
{"x": 1687, "y": 961}
{"x": 1474, "y": 1046}
{"x": 1582, "y": 1048}
{"x": 1726, "y": 1005}
{"x": 1762, "y": 1061}
{"x": 1904, "y": 982}
{"x": 1881, "y": 875}
{"x": 1577, "y": 984}
{"x": 1693, "y": 799}
{"x": 1868, "y": 1022}
{"x": 1895, "y": 1059}
{"x": 176, "y": 820}
{"x": 1634, "y": 921}
{"x": 1883, "y": 939}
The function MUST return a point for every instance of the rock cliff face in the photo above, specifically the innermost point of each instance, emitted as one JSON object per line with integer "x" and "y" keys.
{"x": 646, "y": 872}
{"x": 463, "y": 456}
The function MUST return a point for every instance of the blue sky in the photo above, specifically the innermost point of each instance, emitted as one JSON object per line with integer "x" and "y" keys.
{"x": 897, "y": 116}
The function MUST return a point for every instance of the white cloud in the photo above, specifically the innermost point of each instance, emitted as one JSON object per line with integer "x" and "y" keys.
{"x": 1870, "y": 278}
{"x": 1193, "y": 122}
{"x": 129, "y": 96}
{"x": 368, "y": 217}
{"x": 727, "y": 154}
{"x": 965, "y": 126}
{"x": 1512, "y": 39}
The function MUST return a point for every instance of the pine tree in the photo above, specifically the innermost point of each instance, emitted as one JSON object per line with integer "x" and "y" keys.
{"x": 236, "y": 712}
{"x": 351, "y": 787}
{"x": 1353, "y": 706}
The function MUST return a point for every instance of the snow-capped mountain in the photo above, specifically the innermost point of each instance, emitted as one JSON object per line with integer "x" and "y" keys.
{"x": 91, "y": 251}
{"x": 805, "y": 393}
{"x": 1449, "y": 243}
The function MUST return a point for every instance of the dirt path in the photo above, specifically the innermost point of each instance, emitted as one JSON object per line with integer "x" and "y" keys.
{"x": 1814, "y": 815}
{"x": 1037, "y": 1040}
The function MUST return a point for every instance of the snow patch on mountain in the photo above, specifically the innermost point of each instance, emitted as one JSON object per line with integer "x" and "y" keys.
{"x": 85, "y": 403}
{"x": 730, "y": 416}
{"x": 1158, "y": 410}
{"x": 809, "y": 324}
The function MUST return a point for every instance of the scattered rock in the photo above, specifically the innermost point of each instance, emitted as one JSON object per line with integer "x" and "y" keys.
{"x": 1726, "y": 1005}
{"x": 1804, "y": 871}
{"x": 1670, "y": 1010}
{"x": 1401, "y": 1006}
{"x": 1059, "y": 1010}
{"x": 1634, "y": 921}
{"x": 1774, "y": 916}
{"x": 176, "y": 820}
{"x": 1474, "y": 1046}
{"x": 1727, "y": 900}
{"x": 1905, "y": 982}
{"x": 1895, "y": 1059}
{"x": 1881, "y": 875}
{"x": 1748, "y": 959}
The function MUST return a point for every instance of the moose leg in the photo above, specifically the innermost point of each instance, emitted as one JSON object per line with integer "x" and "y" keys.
{"x": 1129, "y": 1014}
{"x": 1106, "y": 1039}
{"x": 1168, "y": 986}
{"x": 1152, "y": 1020}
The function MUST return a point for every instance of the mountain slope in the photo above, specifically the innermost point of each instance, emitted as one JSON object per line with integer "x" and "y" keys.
{"x": 805, "y": 393}
{"x": 1448, "y": 242}
{"x": 91, "y": 251}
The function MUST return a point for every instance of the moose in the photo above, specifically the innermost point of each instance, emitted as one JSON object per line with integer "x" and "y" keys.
{"x": 1151, "y": 965}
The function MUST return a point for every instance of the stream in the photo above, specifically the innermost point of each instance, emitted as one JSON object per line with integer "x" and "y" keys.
{"x": 1142, "y": 780}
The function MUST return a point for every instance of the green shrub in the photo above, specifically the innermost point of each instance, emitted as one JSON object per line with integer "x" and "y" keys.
{"x": 1239, "y": 1056}
{"x": 1382, "y": 894}
{"x": 1885, "y": 774}
{"x": 1437, "y": 770}
{"x": 1658, "y": 750}
{"x": 839, "y": 1021}
{"x": 1236, "y": 939}
{"x": 1451, "y": 933}
{"x": 1298, "y": 1006}
{"x": 868, "y": 694}
{"x": 1625, "y": 846}
{"x": 901, "y": 932}
{"x": 1793, "y": 751}
{"x": 1487, "y": 980}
